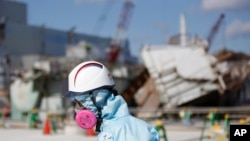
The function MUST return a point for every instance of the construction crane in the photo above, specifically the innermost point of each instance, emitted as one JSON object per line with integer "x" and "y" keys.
{"x": 214, "y": 30}
{"x": 118, "y": 40}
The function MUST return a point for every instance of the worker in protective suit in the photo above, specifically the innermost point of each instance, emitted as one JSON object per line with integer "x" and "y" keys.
{"x": 91, "y": 87}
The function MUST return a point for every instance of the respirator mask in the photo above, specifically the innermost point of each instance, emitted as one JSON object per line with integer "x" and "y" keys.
{"x": 88, "y": 109}
{"x": 84, "y": 118}
{"x": 88, "y": 114}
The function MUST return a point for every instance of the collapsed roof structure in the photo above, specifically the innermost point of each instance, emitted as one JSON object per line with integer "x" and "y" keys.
{"x": 184, "y": 73}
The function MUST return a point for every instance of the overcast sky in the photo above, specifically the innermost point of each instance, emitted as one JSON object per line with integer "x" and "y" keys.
{"x": 152, "y": 22}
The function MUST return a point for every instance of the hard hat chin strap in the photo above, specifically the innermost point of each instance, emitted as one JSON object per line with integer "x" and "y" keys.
{"x": 114, "y": 92}
{"x": 99, "y": 112}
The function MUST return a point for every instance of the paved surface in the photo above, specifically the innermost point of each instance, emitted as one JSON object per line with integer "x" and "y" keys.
{"x": 37, "y": 135}
{"x": 175, "y": 132}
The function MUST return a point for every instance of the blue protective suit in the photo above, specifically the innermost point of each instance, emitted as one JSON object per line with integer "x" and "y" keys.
{"x": 118, "y": 124}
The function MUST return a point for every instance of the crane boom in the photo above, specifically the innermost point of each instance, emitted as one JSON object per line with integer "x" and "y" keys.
{"x": 214, "y": 30}
{"x": 117, "y": 40}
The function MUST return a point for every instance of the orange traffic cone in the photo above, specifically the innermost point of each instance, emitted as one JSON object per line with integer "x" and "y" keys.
{"x": 47, "y": 127}
{"x": 90, "y": 132}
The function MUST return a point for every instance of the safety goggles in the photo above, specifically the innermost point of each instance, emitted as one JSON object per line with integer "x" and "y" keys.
{"x": 76, "y": 96}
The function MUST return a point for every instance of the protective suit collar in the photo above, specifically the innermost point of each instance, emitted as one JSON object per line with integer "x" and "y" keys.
{"x": 114, "y": 109}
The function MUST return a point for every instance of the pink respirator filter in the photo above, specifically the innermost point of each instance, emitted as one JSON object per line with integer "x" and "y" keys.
{"x": 85, "y": 119}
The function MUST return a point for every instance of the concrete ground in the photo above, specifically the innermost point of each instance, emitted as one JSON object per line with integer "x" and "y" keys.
{"x": 37, "y": 135}
{"x": 175, "y": 132}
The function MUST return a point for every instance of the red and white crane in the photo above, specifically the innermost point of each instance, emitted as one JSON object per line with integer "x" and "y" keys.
{"x": 118, "y": 40}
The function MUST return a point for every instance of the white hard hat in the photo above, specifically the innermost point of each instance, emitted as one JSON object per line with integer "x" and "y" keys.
{"x": 89, "y": 76}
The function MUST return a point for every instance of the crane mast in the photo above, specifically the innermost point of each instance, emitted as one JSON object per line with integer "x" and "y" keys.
{"x": 214, "y": 30}
{"x": 118, "y": 40}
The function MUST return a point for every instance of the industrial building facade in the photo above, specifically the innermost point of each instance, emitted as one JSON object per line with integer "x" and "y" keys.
{"x": 18, "y": 38}
{"x": 21, "y": 45}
